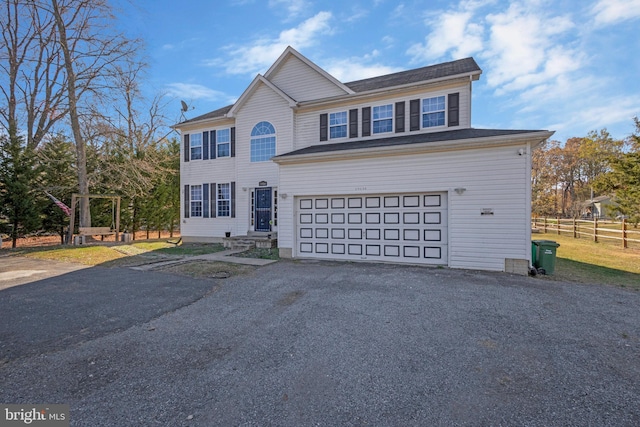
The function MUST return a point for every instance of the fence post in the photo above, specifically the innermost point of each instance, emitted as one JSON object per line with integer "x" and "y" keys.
{"x": 595, "y": 230}
{"x": 624, "y": 233}
{"x": 575, "y": 235}
{"x": 545, "y": 225}
{"x": 558, "y": 224}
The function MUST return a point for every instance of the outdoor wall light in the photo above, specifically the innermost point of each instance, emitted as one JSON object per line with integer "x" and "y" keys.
{"x": 284, "y": 195}
{"x": 459, "y": 190}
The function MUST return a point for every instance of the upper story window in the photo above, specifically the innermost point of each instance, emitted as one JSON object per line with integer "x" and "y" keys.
{"x": 433, "y": 112}
{"x": 338, "y": 125}
{"x": 196, "y": 200}
{"x": 263, "y": 142}
{"x": 223, "y": 142}
{"x": 196, "y": 146}
{"x": 383, "y": 118}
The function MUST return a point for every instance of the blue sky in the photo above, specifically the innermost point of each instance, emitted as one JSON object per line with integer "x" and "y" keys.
{"x": 566, "y": 65}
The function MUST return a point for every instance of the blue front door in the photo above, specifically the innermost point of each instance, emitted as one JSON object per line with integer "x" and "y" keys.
{"x": 263, "y": 209}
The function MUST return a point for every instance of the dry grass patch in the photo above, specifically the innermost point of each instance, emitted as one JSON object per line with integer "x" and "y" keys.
{"x": 209, "y": 269}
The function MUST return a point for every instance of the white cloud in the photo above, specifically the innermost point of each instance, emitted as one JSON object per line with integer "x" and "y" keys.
{"x": 293, "y": 7}
{"x": 607, "y": 12}
{"x": 259, "y": 55}
{"x": 192, "y": 91}
{"x": 357, "y": 68}
{"x": 522, "y": 45}
{"x": 452, "y": 31}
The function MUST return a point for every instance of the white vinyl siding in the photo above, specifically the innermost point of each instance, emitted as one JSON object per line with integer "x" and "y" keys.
{"x": 303, "y": 83}
{"x": 264, "y": 105}
{"x": 308, "y": 124}
{"x": 494, "y": 178}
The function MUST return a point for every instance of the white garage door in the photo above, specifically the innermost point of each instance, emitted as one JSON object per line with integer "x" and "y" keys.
{"x": 409, "y": 228}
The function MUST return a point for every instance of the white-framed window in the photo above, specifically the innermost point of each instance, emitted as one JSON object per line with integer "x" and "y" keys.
{"x": 338, "y": 125}
{"x": 195, "y": 141}
{"x": 223, "y": 142}
{"x": 196, "y": 200}
{"x": 383, "y": 118}
{"x": 263, "y": 142}
{"x": 223, "y": 202}
{"x": 433, "y": 112}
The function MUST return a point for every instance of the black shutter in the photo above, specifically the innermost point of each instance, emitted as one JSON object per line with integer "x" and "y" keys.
{"x": 366, "y": 121}
{"x": 233, "y": 142}
{"x": 187, "y": 205}
{"x": 214, "y": 199}
{"x": 186, "y": 148}
{"x": 205, "y": 200}
{"x": 205, "y": 145}
{"x": 399, "y": 117}
{"x": 353, "y": 123}
{"x": 233, "y": 200}
{"x": 214, "y": 149}
{"x": 414, "y": 114}
{"x": 324, "y": 127}
{"x": 454, "y": 109}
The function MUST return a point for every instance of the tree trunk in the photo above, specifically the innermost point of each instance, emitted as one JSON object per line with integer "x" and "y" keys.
{"x": 81, "y": 156}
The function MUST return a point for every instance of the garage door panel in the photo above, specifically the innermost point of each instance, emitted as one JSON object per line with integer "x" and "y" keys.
{"x": 408, "y": 228}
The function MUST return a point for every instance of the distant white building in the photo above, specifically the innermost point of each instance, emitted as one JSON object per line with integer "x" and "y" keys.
{"x": 382, "y": 169}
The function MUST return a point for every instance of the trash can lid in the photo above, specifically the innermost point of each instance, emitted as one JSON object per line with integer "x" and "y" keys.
{"x": 545, "y": 243}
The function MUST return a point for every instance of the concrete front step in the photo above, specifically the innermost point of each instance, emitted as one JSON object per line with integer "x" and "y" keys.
{"x": 249, "y": 242}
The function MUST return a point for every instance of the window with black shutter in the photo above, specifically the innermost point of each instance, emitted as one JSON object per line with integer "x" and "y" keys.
{"x": 414, "y": 114}
{"x": 187, "y": 204}
{"x": 205, "y": 145}
{"x": 399, "y": 117}
{"x": 187, "y": 148}
{"x": 366, "y": 121}
{"x": 353, "y": 123}
{"x": 324, "y": 127}
{"x": 233, "y": 141}
{"x": 205, "y": 200}
{"x": 454, "y": 109}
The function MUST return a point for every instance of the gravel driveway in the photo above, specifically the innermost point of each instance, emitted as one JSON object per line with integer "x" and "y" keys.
{"x": 320, "y": 343}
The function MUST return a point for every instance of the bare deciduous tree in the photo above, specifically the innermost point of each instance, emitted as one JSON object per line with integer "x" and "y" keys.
{"x": 92, "y": 50}
{"x": 32, "y": 78}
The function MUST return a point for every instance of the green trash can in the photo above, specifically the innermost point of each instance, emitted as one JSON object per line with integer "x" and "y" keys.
{"x": 545, "y": 255}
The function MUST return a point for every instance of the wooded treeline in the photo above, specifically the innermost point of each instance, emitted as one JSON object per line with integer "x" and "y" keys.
{"x": 74, "y": 120}
{"x": 566, "y": 177}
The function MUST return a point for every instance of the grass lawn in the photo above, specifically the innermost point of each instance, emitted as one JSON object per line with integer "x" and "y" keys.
{"x": 581, "y": 260}
{"x": 113, "y": 255}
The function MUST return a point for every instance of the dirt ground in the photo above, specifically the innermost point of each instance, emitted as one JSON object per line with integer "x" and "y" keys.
{"x": 36, "y": 241}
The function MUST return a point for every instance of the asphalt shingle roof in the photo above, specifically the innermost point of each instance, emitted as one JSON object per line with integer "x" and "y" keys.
{"x": 220, "y": 112}
{"x": 461, "y": 66}
{"x": 413, "y": 138}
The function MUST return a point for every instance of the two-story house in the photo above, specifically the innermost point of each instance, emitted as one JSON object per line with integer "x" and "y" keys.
{"x": 384, "y": 169}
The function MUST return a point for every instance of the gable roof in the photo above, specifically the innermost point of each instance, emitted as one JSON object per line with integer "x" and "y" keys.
{"x": 289, "y": 51}
{"x": 252, "y": 88}
{"x": 460, "y": 67}
{"x": 433, "y": 138}
{"x": 448, "y": 69}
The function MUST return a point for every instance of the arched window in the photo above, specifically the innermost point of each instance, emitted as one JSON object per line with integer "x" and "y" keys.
{"x": 263, "y": 142}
